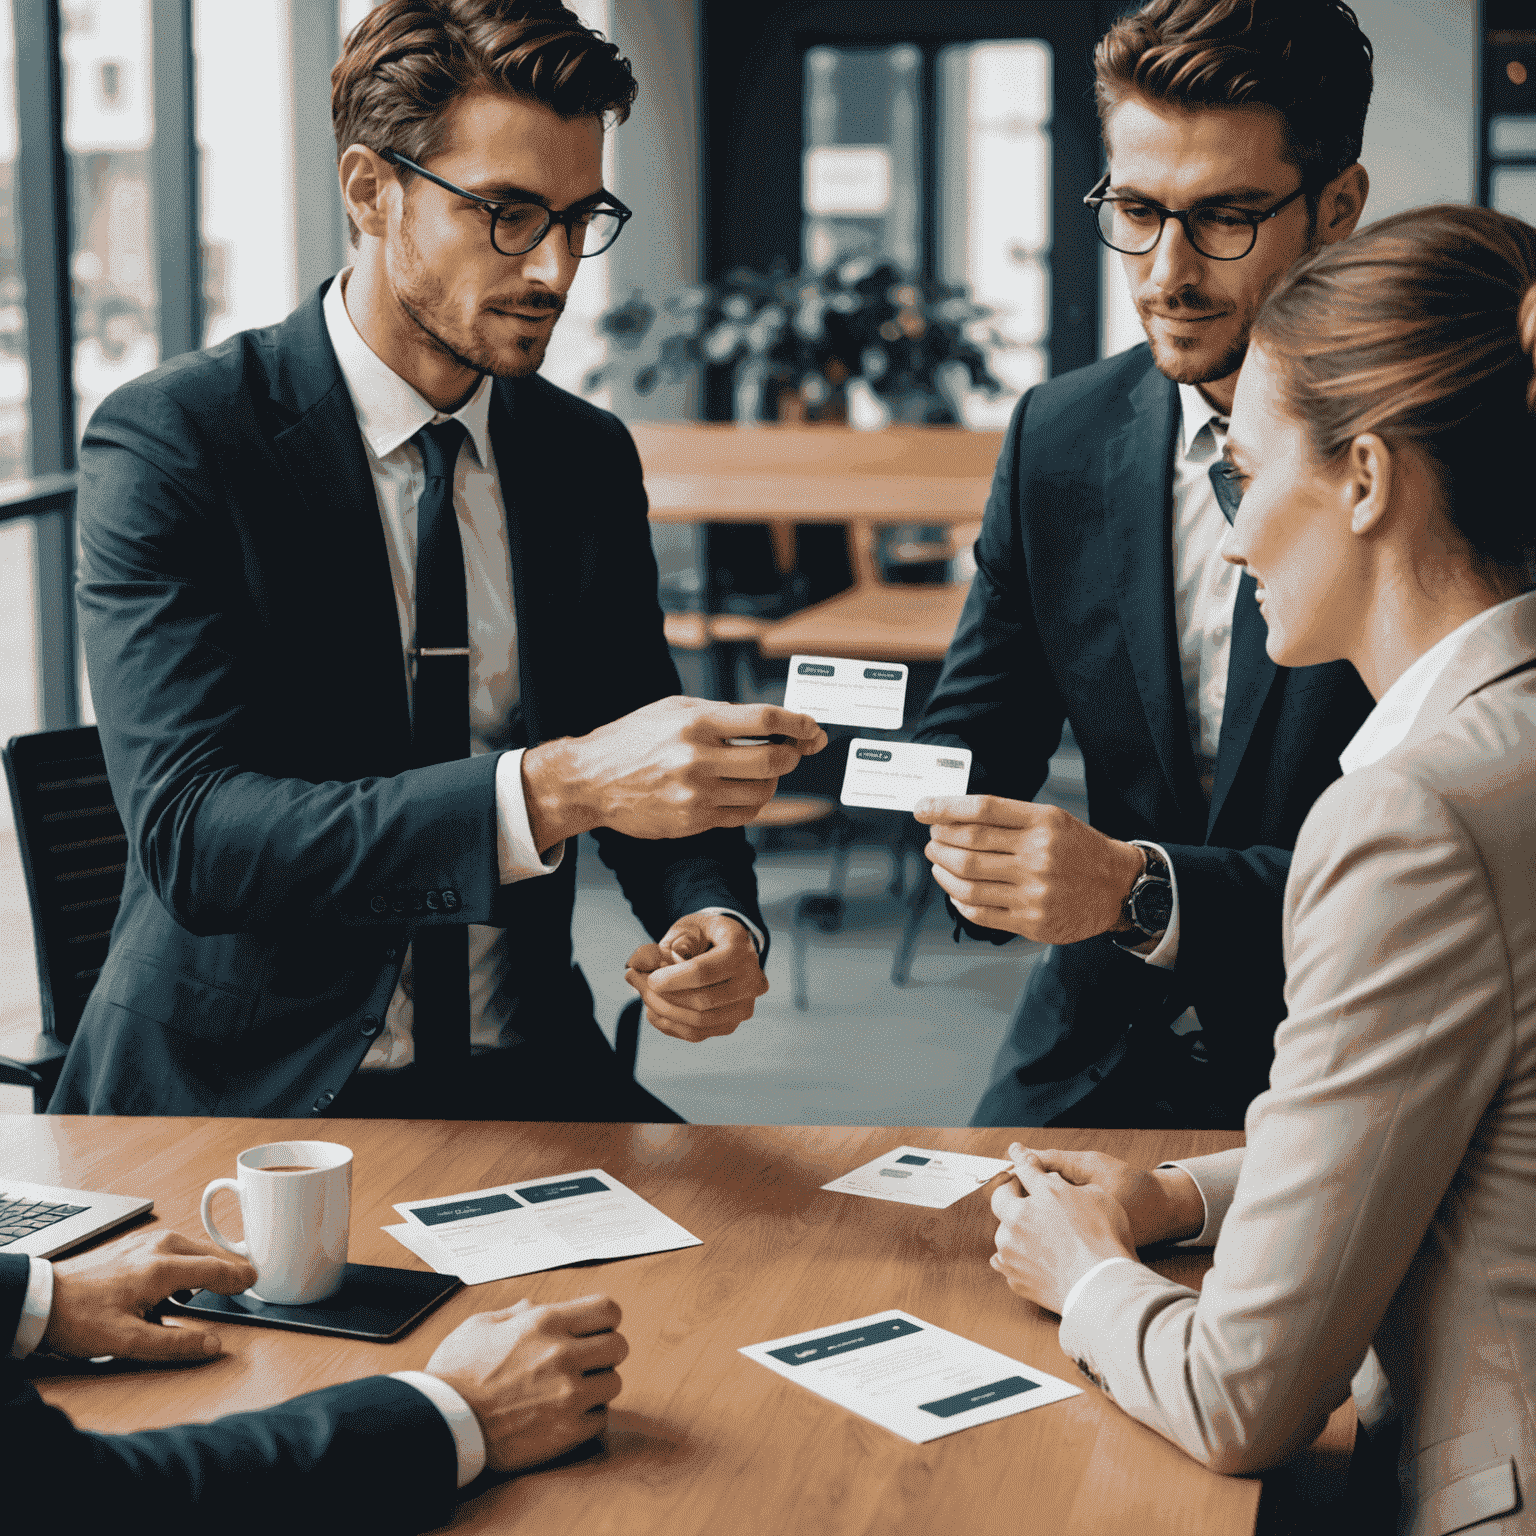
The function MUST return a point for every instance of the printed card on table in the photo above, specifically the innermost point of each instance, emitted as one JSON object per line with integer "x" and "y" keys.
{"x": 835, "y": 691}
{"x": 916, "y": 1380}
{"x": 895, "y": 775}
{"x": 920, "y": 1176}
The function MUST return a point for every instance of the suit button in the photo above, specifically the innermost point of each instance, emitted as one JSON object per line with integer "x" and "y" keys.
{"x": 433, "y": 905}
{"x": 450, "y": 901}
{"x": 324, "y": 1101}
{"x": 417, "y": 903}
{"x": 378, "y": 905}
{"x": 398, "y": 904}
{"x": 370, "y": 1027}
{"x": 391, "y": 952}
{"x": 1095, "y": 1074}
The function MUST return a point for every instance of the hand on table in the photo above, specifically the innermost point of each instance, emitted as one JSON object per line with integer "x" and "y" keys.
{"x": 539, "y": 1379}
{"x": 1054, "y": 1232}
{"x": 666, "y": 770}
{"x": 101, "y": 1300}
{"x": 1029, "y": 869}
{"x": 703, "y": 978}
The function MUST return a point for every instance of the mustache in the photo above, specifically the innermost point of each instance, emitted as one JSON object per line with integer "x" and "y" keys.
{"x": 533, "y": 298}
{"x": 1170, "y": 303}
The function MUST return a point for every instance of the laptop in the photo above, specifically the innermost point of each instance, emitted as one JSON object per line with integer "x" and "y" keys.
{"x": 43, "y": 1219}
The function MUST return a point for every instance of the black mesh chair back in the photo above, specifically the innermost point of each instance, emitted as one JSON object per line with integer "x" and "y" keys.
{"x": 73, "y": 854}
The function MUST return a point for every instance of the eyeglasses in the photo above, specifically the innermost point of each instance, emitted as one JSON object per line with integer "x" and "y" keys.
{"x": 1228, "y": 486}
{"x": 517, "y": 228}
{"x": 1133, "y": 226}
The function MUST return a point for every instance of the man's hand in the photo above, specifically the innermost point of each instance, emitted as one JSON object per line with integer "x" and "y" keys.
{"x": 702, "y": 979}
{"x": 1053, "y": 1233}
{"x": 663, "y": 771}
{"x": 539, "y": 1379}
{"x": 1029, "y": 869}
{"x": 1162, "y": 1205}
{"x": 102, "y": 1299}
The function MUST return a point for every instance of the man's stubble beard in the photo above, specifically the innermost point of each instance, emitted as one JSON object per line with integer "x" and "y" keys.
{"x": 420, "y": 295}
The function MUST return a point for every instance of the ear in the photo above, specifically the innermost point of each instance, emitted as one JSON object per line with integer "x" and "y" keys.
{"x": 1367, "y": 483}
{"x": 365, "y": 179}
{"x": 1341, "y": 203}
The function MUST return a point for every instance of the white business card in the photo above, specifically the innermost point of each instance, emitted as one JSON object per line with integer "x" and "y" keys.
{"x": 906, "y": 1375}
{"x": 895, "y": 775}
{"x": 920, "y": 1176}
{"x": 835, "y": 691}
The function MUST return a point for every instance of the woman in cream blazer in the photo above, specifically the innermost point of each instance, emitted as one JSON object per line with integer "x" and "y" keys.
{"x": 1382, "y": 442}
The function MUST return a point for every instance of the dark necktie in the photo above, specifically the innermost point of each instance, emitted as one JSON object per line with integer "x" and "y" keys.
{"x": 1228, "y": 494}
{"x": 440, "y": 733}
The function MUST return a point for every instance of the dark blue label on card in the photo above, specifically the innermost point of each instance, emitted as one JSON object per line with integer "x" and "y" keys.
{"x": 536, "y": 1194}
{"x": 882, "y": 674}
{"x": 871, "y": 755}
{"x": 810, "y": 669}
{"x": 912, "y": 1157}
{"x": 464, "y": 1210}
{"x": 978, "y": 1397}
{"x": 809, "y": 1350}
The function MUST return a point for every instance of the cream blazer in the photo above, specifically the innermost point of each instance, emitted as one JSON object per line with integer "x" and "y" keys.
{"x": 1387, "y": 1193}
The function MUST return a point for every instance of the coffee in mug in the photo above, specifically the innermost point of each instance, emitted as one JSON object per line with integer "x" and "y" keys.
{"x": 295, "y": 1199}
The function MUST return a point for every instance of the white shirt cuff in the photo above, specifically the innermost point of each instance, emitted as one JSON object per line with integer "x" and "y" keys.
{"x": 1083, "y": 1279}
{"x": 746, "y": 922}
{"x": 36, "y": 1308}
{"x": 1166, "y": 951}
{"x": 1199, "y": 1240}
{"x": 468, "y": 1438}
{"x": 518, "y": 858}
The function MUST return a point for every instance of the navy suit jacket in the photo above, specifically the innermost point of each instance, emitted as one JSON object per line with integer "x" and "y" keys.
{"x": 368, "y": 1455}
{"x": 244, "y": 649}
{"x": 1070, "y": 618}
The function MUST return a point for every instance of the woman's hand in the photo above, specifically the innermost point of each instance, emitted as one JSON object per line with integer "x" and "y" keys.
{"x": 1054, "y": 1232}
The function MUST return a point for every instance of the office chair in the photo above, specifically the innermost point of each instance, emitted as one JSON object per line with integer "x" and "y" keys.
{"x": 73, "y": 855}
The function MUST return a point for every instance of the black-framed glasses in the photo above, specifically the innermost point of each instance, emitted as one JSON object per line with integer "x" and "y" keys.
{"x": 1220, "y": 231}
{"x": 1228, "y": 487}
{"x": 518, "y": 227}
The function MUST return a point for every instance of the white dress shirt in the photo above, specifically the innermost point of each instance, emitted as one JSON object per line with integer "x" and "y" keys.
{"x": 390, "y": 413}
{"x": 468, "y": 1438}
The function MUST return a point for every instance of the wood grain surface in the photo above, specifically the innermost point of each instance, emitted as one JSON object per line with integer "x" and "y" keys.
{"x": 701, "y": 1439}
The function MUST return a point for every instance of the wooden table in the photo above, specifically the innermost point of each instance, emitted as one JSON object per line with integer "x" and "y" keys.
{"x": 701, "y": 1439}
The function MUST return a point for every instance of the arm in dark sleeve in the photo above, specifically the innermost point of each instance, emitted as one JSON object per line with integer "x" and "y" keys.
{"x": 996, "y": 694}
{"x": 15, "y": 1270}
{"x": 663, "y": 878}
{"x": 371, "y": 1455}
{"x": 173, "y": 644}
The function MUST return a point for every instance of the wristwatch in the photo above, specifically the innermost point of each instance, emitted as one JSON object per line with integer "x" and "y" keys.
{"x": 1149, "y": 907}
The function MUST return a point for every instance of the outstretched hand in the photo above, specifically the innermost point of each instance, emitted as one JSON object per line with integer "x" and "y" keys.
{"x": 102, "y": 1300}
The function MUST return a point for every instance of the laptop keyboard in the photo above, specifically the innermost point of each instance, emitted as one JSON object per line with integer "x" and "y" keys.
{"x": 21, "y": 1218}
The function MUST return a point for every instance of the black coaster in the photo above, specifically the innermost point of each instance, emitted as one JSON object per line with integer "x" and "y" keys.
{"x": 373, "y": 1303}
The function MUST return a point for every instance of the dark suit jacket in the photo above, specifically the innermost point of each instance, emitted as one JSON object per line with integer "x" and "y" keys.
{"x": 368, "y": 1455}
{"x": 1071, "y": 618}
{"x": 245, "y": 661}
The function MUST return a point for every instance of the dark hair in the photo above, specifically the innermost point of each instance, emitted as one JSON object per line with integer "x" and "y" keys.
{"x": 407, "y": 61}
{"x": 1421, "y": 329}
{"x": 1306, "y": 58}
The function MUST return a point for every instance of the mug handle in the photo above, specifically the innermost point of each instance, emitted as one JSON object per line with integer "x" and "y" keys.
{"x": 208, "y": 1225}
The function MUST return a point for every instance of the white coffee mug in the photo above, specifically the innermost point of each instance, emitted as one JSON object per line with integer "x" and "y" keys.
{"x": 296, "y": 1201}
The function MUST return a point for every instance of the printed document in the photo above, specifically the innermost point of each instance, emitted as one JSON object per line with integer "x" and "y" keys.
{"x": 920, "y": 1176}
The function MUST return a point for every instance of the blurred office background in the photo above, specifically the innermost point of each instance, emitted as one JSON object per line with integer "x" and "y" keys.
{"x": 167, "y": 178}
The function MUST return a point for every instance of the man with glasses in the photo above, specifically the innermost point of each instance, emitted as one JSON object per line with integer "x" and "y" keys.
{"x": 370, "y": 615}
{"x": 1232, "y": 132}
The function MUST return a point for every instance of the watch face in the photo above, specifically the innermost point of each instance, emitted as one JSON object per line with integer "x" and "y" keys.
{"x": 1152, "y": 906}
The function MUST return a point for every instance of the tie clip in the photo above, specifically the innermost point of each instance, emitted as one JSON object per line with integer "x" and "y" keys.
{"x": 440, "y": 650}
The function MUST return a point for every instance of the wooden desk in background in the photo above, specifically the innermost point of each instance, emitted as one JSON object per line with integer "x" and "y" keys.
{"x": 783, "y": 475}
{"x": 701, "y": 1439}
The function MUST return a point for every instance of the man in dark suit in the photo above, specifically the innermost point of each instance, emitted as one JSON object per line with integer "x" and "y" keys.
{"x": 371, "y": 622}
{"x": 1101, "y": 599}
{"x": 386, "y": 1453}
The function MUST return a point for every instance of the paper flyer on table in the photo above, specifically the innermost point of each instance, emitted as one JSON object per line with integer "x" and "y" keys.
{"x": 920, "y": 1176}
{"x": 536, "y": 1224}
{"x": 916, "y": 1380}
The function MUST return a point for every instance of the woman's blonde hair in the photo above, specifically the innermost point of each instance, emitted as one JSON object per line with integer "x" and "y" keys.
{"x": 1420, "y": 329}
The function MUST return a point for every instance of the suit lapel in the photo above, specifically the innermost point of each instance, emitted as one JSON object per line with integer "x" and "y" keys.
{"x": 1250, "y": 676}
{"x": 516, "y": 475}
{"x": 322, "y": 450}
{"x": 1501, "y": 645}
{"x": 1138, "y": 503}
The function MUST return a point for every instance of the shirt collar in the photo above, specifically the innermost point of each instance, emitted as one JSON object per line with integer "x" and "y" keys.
{"x": 389, "y": 411}
{"x": 1194, "y": 411}
{"x": 1387, "y": 725}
